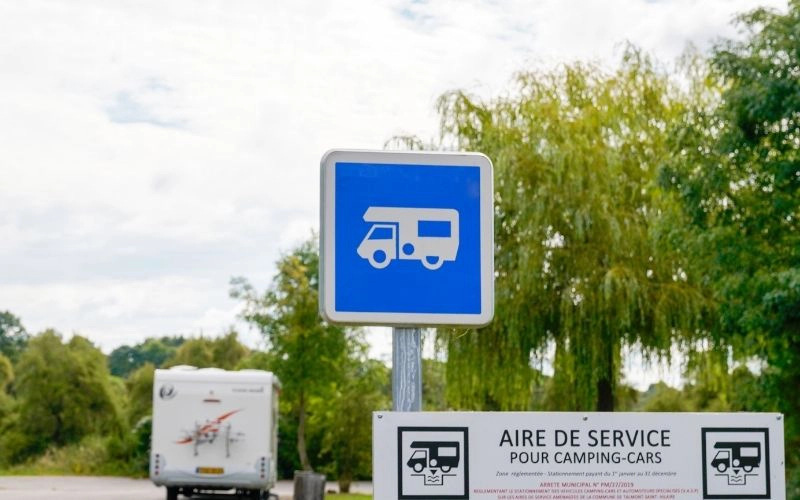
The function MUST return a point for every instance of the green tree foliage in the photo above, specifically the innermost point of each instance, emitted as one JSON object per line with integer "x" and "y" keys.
{"x": 581, "y": 255}
{"x": 736, "y": 169}
{"x": 6, "y": 373}
{"x": 222, "y": 352}
{"x": 13, "y": 336}
{"x": 64, "y": 393}
{"x": 346, "y": 420}
{"x": 288, "y": 458}
{"x": 8, "y": 413}
{"x": 125, "y": 359}
{"x": 708, "y": 381}
{"x": 256, "y": 360}
{"x": 750, "y": 392}
{"x": 434, "y": 385}
{"x": 626, "y": 398}
{"x": 227, "y": 351}
{"x": 662, "y": 398}
{"x": 308, "y": 355}
{"x": 140, "y": 393}
{"x": 131, "y": 450}
{"x": 194, "y": 352}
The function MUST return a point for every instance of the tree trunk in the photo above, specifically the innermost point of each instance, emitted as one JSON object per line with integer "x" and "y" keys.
{"x": 607, "y": 382}
{"x": 301, "y": 434}
{"x": 605, "y": 394}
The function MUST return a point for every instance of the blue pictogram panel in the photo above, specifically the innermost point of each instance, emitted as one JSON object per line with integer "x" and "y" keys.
{"x": 406, "y": 238}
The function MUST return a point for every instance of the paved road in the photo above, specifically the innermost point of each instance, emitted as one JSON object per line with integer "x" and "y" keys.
{"x": 109, "y": 488}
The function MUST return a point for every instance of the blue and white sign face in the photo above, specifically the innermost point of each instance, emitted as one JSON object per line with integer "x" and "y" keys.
{"x": 407, "y": 238}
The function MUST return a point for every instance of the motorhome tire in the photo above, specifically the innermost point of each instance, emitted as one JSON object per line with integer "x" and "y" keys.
{"x": 379, "y": 259}
{"x": 432, "y": 262}
{"x": 172, "y": 493}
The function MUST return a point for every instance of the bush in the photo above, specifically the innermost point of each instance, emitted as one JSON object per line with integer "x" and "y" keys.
{"x": 87, "y": 457}
{"x": 131, "y": 450}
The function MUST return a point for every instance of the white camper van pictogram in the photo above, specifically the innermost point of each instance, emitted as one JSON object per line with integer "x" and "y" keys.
{"x": 429, "y": 235}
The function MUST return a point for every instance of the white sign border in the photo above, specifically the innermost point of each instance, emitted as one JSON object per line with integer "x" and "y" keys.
{"x": 327, "y": 295}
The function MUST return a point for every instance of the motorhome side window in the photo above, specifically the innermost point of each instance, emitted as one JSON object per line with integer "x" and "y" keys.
{"x": 434, "y": 228}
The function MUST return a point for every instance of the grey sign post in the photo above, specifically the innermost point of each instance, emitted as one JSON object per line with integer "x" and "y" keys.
{"x": 406, "y": 369}
{"x": 406, "y": 240}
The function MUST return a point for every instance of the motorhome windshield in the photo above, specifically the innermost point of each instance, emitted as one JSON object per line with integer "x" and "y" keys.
{"x": 381, "y": 233}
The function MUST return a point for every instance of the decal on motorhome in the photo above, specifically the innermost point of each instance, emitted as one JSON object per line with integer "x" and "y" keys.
{"x": 207, "y": 433}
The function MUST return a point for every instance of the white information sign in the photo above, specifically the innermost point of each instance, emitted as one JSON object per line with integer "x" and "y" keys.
{"x": 553, "y": 455}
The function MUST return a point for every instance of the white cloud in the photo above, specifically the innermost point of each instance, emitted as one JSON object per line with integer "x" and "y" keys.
{"x": 152, "y": 149}
{"x": 115, "y": 312}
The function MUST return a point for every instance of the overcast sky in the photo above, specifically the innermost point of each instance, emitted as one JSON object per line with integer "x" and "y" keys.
{"x": 151, "y": 150}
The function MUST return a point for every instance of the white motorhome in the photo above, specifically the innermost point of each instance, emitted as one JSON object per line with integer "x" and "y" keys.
{"x": 214, "y": 430}
{"x": 429, "y": 235}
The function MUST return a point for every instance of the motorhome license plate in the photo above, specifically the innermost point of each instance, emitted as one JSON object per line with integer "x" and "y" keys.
{"x": 210, "y": 470}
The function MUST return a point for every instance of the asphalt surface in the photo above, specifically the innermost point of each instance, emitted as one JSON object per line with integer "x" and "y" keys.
{"x": 111, "y": 488}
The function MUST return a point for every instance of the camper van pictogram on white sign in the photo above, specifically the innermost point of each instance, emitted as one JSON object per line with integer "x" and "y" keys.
{"x": 433, "y": 463}
{"x": 429, "y": 235}
{"x": 735, "y": 463}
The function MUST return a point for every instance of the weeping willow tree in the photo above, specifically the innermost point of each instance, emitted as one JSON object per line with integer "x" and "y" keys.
{"x": 585, "y": 259}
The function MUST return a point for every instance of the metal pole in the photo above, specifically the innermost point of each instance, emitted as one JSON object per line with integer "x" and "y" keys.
{"x": 406, "y": 369}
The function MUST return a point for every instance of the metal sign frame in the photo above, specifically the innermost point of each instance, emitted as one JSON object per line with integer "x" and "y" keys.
{"x": 328, "y": 237}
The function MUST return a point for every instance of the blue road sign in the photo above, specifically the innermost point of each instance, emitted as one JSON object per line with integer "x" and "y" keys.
{"x": 407, "y": 238}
